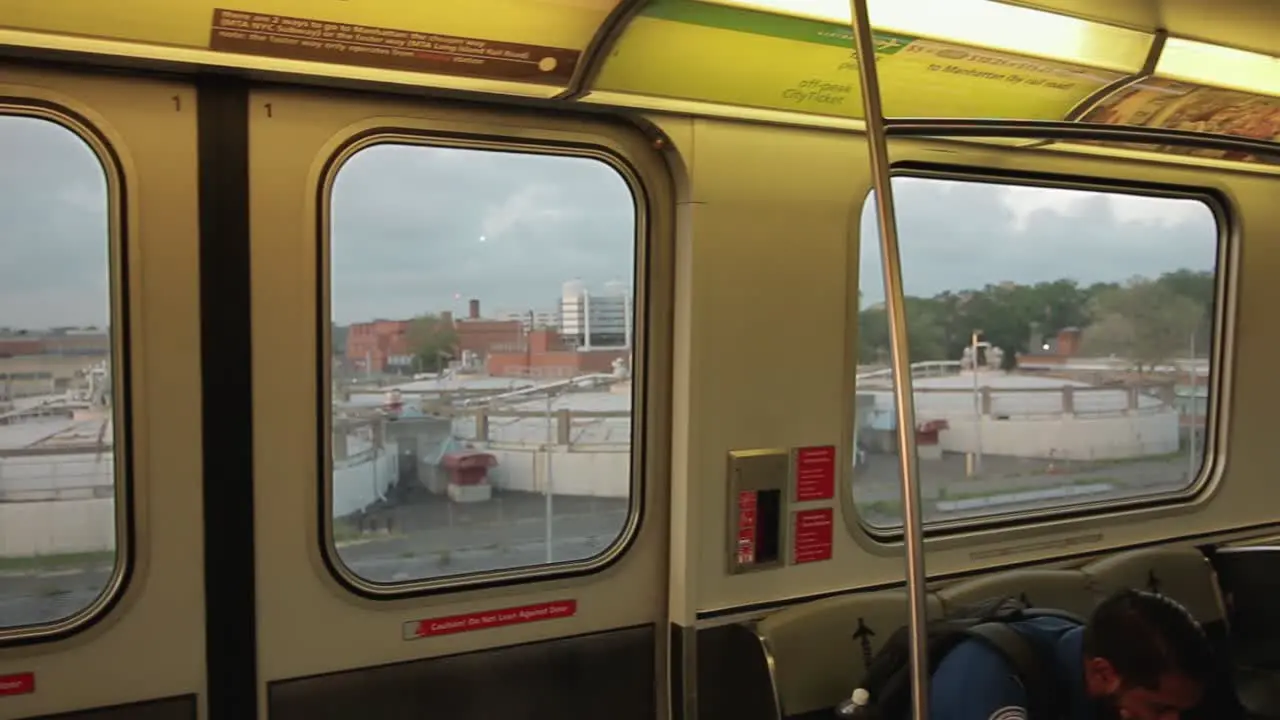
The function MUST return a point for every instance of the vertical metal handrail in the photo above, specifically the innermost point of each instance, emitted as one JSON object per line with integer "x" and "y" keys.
{"x": 913, "y": 526}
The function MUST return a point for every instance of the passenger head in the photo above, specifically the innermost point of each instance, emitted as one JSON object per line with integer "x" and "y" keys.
{"x": 1145, "y": 658}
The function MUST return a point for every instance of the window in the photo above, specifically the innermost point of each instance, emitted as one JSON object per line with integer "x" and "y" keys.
{"x": 1091, "y": 315}
{"x": 59, "y": 526}
{"x": 482, "y": 332}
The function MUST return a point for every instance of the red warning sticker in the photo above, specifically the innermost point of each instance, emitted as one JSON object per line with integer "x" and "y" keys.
{"x": 489, "y": 619}
{"x": 812, "y": 537}
{"x": 815, "y": 473}
{"x": 18, "y": 684}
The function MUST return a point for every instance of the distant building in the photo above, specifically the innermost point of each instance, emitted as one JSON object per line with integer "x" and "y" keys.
{"x": 480, "y": 336}
{"x": 381, "y": 346}
{"x": 531, "y": 319}
{"x": 20, "y": 345}
{"x": 1046, "y": 352}
{"x": 81, "y": 342}
{"x": 596, "y": 320}
{"x": 544, "y": 353}
{"x": 31, "y": 375}
{"x": 63, "y": 342}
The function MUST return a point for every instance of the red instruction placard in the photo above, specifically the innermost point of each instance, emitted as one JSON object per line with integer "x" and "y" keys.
{"x": 812, "y": 535}
{"x": 17, "y": 684}
{"x": 815, "y": 473}
{"x": 489, "y": 619}
{"x": 747, "y": 511}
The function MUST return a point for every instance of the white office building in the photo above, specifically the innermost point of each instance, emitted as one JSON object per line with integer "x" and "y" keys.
{"x": 596, "y": 320}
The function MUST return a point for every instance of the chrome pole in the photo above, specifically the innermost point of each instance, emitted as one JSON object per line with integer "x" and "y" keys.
{"x": 913, "y": 527}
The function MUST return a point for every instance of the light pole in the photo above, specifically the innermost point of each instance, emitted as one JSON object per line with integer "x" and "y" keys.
{"x": 548, "y": 488}
{"x": 1195, "y": 413}
{"x": 977, "y": 403}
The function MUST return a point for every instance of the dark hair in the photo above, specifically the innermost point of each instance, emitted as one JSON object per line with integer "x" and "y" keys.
{"x": 1146, "y": 636}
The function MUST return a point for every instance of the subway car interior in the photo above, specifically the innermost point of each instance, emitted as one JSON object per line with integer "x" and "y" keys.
{"x": 868, "y": 311}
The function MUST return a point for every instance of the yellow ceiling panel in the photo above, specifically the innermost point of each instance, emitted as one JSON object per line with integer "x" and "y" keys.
{"x": 1220, "y": 66}
{"x": 1244, "y": 24}
{"x": 529, "y": 41}
{"x": 689, "y": 50}
{"x": 984, "y": 24}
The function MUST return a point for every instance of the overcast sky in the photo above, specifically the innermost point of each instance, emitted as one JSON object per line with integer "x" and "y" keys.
{"x": 423, "y": 230}
{"x": 53, "y": 227}
{"x": 426, "y": 229}
{"x": 964, "y": 235}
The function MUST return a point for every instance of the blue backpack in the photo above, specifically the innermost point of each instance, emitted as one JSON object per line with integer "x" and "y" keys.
{"x": 885, "y": 690}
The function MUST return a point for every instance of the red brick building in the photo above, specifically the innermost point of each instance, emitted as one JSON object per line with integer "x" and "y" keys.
{"x": 20, "y": 346}
{"x": 483, "y": 336}
{"x": 545, "y": 354}
{"x": 1060, "y": 349}
{"x": 505, "y": 347}
{"x": 376, "y": 346}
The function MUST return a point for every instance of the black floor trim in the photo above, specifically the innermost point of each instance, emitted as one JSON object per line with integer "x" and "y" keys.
{"x": 181, "y": 707}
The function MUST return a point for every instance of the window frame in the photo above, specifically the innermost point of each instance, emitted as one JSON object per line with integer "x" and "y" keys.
{"x": 119, "y": 336}
{"x": 1209, "y": 475}
{"x": 641, "y": 277}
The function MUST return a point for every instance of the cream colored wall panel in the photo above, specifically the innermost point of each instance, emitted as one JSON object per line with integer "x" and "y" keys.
{"x": 769, "y": 287}
{"x": 686, "y": 506}
{"x": 159, "y": 623}
{"x": 308, "y": 623}
{"x": 770, "y": 244}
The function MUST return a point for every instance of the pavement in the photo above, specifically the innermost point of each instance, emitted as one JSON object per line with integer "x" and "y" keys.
{"x": 428, "y": 537}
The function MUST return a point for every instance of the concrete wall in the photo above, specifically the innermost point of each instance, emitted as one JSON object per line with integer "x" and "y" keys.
{"x": 1071, "y": 438}
{"x": 1083, "y": 424}
{"x": 57, "y": 527}
{"x": 65, "y": 513}
{"x": 361, "y": 481}
{"x": 58, "y": 508}
{"x": 588, "y": 474}
{"x": 61, "y": 515}
{"x": 62, "y": 477}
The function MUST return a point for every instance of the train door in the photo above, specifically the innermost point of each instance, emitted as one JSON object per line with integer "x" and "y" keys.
{"x": 460, "y": 351}
{"x": 101, "y": 572}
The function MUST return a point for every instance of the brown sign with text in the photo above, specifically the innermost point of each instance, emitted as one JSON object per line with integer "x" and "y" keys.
{"x": 322, "y": 41}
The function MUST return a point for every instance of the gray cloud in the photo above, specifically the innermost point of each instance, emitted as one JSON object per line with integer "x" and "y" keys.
{"x": 956, "y": 236}
{"x": 54, "y": 232}
{"x": 408, "y": 221}
{"x": 414, "y": 227}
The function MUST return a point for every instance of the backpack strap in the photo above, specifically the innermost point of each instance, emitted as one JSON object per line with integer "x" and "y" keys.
{"x": 1042, "y": 695}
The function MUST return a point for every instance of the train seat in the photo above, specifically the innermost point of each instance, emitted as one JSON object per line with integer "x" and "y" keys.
{"x": 1250, "y": 581}
{"x": 1181, "y": 572}
{"x": 1069, "y": 590}
{"x": 817, "y": 650}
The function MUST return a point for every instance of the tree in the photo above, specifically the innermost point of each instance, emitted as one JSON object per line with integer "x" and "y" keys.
{"x": 873, "y": 336}
{"x": 1112, "y": 334}
{"x": 1145, "y": 321}
{"x": 926, "y": 338}
{"x": 1194, "y": 285}
{"x": 1199, "y": 287}
{"x": 433, "y": 341}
